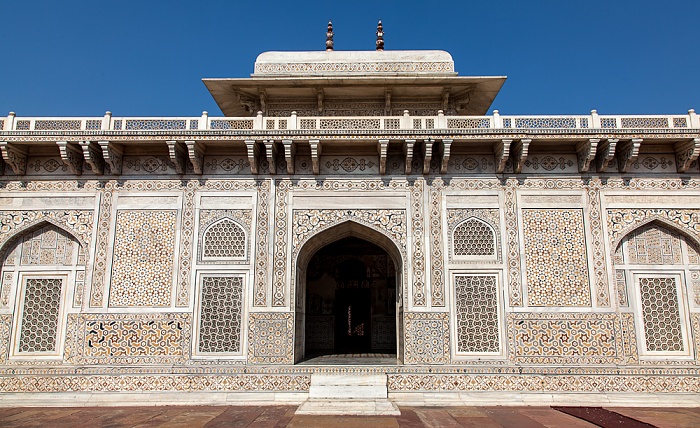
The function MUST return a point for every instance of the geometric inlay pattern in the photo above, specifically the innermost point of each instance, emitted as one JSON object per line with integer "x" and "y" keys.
{"x": 660, "y": 312}
{"x": 565, "y": 338}
{"x": 654, "y": 245}
{"x": 41, "y": 306}
{"x": 48, "y": 245}
{"x": 270, "y": 338}
{"x": 476, "y": 302}
{"x": 142, "y": 264}
{"x": 429, "y": 342}
{"x": 131, "y": 338}
{"x": 220, "y": 316}
{"x": 555, "y": 257}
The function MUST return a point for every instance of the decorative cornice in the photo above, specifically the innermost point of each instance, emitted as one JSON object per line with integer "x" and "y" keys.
{"x": 605, "y": 154}
{"x": 93, "y": 156}
{"x": 586, "y": 151}
{"x": 14, "y": 156}
{"x": 195, "y": 150}
{"x": 520, "y": 152}
{"x": 408, "y": 151}
{"x": 686, "y": 153}
{"x": 290, "y": 149}
{"x": 112, "y": 154}
{"x": 253, "y": 154}
{"x": 627, "y": 153}
{"x": 446, "y": 144}
{"x": 382, "y": 147}
{"x": 178, "y": 154}
{"x": 501, "y": 151}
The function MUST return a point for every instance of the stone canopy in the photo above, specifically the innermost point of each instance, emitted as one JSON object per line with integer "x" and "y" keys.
{"x": 362, "y": 82}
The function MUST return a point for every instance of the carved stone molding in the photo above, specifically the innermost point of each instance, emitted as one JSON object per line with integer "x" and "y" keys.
{"x": 93, "y": 156}
{"x": 627, "y": 153}
{"x": 605, "y": 153}
{"x": 178, "y": 154}
{"x": 519, "y": 154}
{"x": 72, "y": 156}
{"x": 196, "y": 150}
{"x": 15, "y": 157}
{"x": 290, "y": 149}
{"x": 501, "y": 151}
{"x": 586, "y": 151}
{"x": 271, "y": 154}
{"x": 686, "y": 153}
{"x": 408, "y": 150}
{"x": 382, "y": 146}
{"x": 446, "y": 144}
{"x": 315, "y": 155}
{"x": 253, "y": 154}
{"x": 427, "y": 154}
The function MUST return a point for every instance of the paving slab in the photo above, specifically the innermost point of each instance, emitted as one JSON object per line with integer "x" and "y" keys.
{"x": 660, "y": 417}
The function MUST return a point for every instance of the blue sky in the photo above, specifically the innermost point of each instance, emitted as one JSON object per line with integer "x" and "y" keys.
{"x": 147, "y": 57}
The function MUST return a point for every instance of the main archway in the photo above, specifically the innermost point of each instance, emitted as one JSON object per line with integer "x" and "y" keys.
{"x": 348, "y": 293}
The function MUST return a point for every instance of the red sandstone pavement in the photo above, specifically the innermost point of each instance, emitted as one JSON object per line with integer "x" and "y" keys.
{"x": 283, "y": 416}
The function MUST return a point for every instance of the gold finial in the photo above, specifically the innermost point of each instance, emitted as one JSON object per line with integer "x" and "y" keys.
{"x": 329, "y": 36}
{"x": 380, "y": 36}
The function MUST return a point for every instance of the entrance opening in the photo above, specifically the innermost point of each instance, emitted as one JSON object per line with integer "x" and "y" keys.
{"x": 350, "y": 300}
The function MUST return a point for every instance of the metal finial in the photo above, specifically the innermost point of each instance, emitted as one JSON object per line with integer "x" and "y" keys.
{"x": 329, "y": 36}
{"x": 380, "y": 36}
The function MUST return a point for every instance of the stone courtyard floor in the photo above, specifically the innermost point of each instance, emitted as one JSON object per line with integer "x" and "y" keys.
{"x": 283, "y": 416}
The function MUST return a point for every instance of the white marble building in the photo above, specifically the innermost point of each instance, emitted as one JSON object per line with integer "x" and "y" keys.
{"x": 351, "y": 203}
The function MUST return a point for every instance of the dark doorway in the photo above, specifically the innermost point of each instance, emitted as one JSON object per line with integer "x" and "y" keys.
{"x": 350, "y": 300}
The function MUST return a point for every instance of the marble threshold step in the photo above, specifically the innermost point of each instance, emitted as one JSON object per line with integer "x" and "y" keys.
{"x": 348, "y": 394}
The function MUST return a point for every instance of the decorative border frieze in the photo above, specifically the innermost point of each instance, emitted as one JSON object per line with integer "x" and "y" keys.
{"x": 418, "y": 224}
{"x": 437, "y": 279}
{"x": 261, "y": 251}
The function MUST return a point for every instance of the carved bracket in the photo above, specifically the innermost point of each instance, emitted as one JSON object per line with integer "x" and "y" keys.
{"x": 627, "y": 153}
{"x": 520, "y": 152}
{"x": 315, "y": 155}
{"x": 72, "y": 156}
{"x": 408, "y": 150}
{"x": 446, "y": 145}
{"x": 112, "y": 154}
{"x": 605, "y": 153}
{"x": 195, "y": 151}
{"x": 501, "y": 150}
{"x": 14, "y": 156}
{"x": 271, "y": 152}
{"x": 382, "y": 148}
{"x": 93, "y": 156}
{"x": 427, "y": 154}
{"x": 686, "y": 153}
{"x": 178, "y": 154}
{"x": 253, "y": 155}
{"x": 290, "y": 150}
{"x": 585, "y": 151}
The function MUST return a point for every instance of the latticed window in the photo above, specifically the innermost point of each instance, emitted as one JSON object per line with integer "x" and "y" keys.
{"x": 40, "y": 315}
{"x": 473, "y": 237}
{"x": 661, "y": 314}
{"x": 224, "y": 239}
{"x": 476, "y": 304}
{"x": 220, "y": 314}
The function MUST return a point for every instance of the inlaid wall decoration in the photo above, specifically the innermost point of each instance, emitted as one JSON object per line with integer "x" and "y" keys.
{"x": 143, "y": 258}
{"x": 220, "y": 314}
{"x": 476, "y": 314}
{"x": 556, "y": 263}
{"x": 429, "y": 338}
{"x": 271, "y": 338}
{"x": 162, "y": 338}
{"x": 565, "y": 338}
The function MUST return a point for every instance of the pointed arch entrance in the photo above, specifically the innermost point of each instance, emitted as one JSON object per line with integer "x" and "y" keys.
{"x": 348, "y": 293}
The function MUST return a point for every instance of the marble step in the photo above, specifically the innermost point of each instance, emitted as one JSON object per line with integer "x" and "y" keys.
{"x": 348, "y": 407}
{"x": 348, "y": 386}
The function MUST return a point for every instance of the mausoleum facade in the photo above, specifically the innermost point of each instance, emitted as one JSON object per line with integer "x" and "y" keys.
{"x": 351, "y": 212}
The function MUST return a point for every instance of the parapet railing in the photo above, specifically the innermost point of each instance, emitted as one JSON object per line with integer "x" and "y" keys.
{"x": 294, "y": 122}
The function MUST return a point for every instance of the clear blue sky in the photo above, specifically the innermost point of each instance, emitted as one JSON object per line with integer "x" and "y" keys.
{"x": 147, "y": 57}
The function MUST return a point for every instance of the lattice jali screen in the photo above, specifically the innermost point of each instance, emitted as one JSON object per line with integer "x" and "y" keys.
{"x": 220, "y": 314}
{"x": 476, "y": 301}
{"x": 224, "y": 239}
{"x": 40, "y": 312}
{"x": 473, "y": 237}
{"x": 661, "y": 314}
